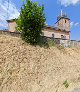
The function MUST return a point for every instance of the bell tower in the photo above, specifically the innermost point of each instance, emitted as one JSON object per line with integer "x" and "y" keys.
{"x": 63, "y": 22}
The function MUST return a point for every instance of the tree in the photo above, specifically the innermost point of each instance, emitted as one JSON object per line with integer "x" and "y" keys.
{"x": 31, "y": 21}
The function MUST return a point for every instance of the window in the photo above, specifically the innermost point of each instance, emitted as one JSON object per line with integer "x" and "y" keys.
{"x": 63, "y": 37}
{"x": 52, "y": 35}
{"x": 65, "y": 21}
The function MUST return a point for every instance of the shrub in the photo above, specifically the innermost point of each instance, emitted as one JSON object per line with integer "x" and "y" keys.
{"x": 51, "y": 43}
{"x": 66, "y": 84}
{"x": 31, "y": 21}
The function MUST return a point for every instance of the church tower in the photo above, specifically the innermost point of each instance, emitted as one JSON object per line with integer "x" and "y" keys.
{"x": 63, "y": 22}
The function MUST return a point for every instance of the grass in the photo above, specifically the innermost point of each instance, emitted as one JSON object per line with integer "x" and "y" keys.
{"x": 66, "y": 84}
{"x": 51, "y": 43}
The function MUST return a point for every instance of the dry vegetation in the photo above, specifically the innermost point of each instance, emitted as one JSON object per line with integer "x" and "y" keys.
{"x": 25, "y": 68}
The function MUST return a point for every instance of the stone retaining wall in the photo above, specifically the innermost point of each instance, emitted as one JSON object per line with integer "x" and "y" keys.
{"x": 70, "y": 43}
{"x": 63, "y": 42}
{"x": 17, "y": 34}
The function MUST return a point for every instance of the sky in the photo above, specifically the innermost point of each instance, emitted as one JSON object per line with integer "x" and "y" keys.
{"x": 52, "y": 9}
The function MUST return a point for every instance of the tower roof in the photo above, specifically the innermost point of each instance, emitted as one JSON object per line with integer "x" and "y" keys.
{"x": 62, "y": 15}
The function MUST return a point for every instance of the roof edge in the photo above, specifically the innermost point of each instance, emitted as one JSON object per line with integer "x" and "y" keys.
{"x": 56, "y": 28}
{"x": 11, "y": 20}
{"x": 62, "y": 18}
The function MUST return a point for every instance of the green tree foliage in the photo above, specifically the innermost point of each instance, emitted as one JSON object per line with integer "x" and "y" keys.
{"x": 31, "y": 21}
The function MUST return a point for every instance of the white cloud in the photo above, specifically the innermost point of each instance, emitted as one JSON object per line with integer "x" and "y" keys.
{"x": 12, "y": 12}
{"x": 77, "y": 24}
{"x": 69, "y": 2}
{"x": 74, "y": 24}
{"x": 71, "y": 24}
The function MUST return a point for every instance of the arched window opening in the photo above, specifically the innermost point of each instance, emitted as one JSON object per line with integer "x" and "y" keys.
{"x": 65, "y": 21}
{"x": 52, "y": 35}
{"x": 63, "y": 37}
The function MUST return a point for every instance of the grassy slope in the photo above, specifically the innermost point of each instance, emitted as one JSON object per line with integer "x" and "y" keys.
{"x": 24, "y": 68}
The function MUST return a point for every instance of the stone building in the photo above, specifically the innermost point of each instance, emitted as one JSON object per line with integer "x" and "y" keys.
{"x": 60, "y": 31}
{"x": 12, "y": 25}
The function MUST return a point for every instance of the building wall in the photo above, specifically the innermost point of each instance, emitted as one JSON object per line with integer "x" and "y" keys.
{"x": 63, "y": 24}
{"x": 12, "y": 26}
{"x": 46, "y": 32}
{"x": 57, "y": 34}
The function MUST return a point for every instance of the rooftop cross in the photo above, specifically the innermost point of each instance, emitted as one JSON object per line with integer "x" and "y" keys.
{"x": 61, "y": 12}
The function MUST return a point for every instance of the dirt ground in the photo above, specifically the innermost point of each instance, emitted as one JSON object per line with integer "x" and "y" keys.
{"x": 25, "y": 68}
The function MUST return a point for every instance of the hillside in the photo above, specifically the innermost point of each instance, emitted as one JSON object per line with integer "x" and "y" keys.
{"x": 25, "y": 68}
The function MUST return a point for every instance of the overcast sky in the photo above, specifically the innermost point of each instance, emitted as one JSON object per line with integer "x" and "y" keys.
{"x": 52, "y": 10}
